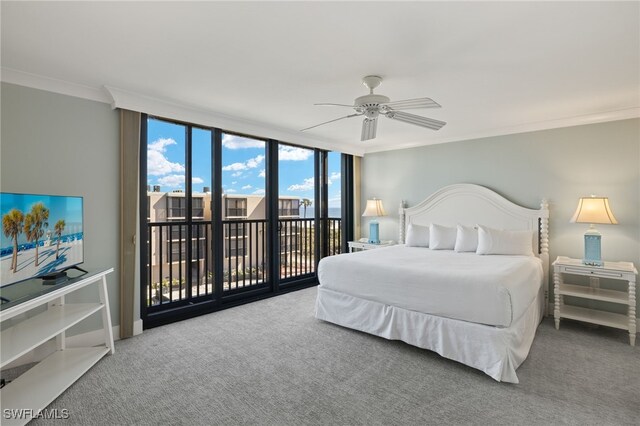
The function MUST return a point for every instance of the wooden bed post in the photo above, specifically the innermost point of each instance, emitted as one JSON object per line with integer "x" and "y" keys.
{"x": 401, "y": 234}
{"x": 544, "y": 250}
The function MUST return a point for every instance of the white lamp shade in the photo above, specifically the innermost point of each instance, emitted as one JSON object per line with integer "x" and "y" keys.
{"x": 594, "y": 210}
{"x": 374, "y": 208}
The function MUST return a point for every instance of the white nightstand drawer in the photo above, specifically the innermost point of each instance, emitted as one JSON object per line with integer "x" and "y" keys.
{"x": 593, "y": 273}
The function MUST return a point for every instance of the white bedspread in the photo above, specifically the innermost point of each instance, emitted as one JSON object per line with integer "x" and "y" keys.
{"x": 491, "y": 290}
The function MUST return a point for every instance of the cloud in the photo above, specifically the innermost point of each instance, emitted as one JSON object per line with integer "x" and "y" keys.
{"x": 292, "y": 153}
{"x": 239, "y": 142}
{"x": 236, "y": 174}
{"x": 234, "y": 182}
{"x": 334, "y": 176}
{"x": 262, "y": 173}
{"x": 157, "y": 163}
{"x": 230, "y": 190}
{"x": 172, "y": 180}
{"x": 247, "y": 187}
{"x": 307, "y": 185}
{"x": 251, "y": 163}
{"x": 259, "y": 191}
{"x": 176, "y": 181}
{"x": 234, "y": 166}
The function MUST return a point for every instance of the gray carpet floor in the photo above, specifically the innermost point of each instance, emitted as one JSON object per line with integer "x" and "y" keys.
{"x": 272, "y": 362}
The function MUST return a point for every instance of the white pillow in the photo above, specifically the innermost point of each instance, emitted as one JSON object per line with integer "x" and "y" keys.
{"x": 417, "y": 236}
{"x": 495, "y": 241}
{"x": 466, "y": 239}
{"x": 442, "y": 237}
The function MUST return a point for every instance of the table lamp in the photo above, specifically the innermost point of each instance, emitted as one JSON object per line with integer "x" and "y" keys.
{"x": 374, "y": 209}
{"x": 593, "y": 210}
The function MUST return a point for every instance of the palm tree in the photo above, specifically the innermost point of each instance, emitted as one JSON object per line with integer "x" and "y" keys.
{"x": 12, "y": 227}
{"x": 306, "y": 203}
{"x": 35, "y": 222}
{"x": 58, "y": 228}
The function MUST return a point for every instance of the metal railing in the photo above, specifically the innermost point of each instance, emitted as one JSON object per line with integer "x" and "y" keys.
{"x": 167, "y": 261}
{"x": 244, "y": 255}
{"x": 297, "y": 247}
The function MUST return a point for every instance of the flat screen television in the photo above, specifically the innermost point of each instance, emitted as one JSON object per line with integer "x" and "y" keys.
{"x": 42, "y": 235}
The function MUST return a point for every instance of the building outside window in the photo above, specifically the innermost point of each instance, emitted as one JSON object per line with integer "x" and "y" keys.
{"x": 235, "y": 248}
{"x": 287, "y": 207}
{"x": 236, "y": 207}
{"x": 177, "y": 207}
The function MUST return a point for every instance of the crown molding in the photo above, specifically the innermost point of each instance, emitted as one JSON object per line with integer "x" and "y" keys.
{"x": 581, "y": 120}
{"x": 120, "y": 98}
{"x": 21, "y": 78}
{"x": 125, "y": 99}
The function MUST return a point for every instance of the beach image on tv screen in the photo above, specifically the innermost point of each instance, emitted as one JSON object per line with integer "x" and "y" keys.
{"x": 41, "y": 235}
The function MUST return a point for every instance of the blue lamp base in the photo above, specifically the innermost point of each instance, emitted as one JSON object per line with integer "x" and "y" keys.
{"x": 374, "y": 232}
{"x": 592, "y": 248}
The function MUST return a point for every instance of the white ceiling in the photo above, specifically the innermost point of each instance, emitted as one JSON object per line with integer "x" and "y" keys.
{"x": 496, "y": 68}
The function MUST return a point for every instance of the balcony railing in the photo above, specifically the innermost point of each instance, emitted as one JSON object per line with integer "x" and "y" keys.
{"x": 297, "y": 247}
{"x": 244, "y": 255}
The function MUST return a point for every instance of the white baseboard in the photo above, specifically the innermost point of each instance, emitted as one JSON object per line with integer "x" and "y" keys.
{"x": 91, "y": 338}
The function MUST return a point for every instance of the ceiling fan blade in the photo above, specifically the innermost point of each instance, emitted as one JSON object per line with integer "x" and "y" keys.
{"x": 369, "y": 127}
{"x": 405, "y": 117}
{"x": 412, "y": 103}
{"x": 330, "y": 121}
{"x": 342, "y": 105}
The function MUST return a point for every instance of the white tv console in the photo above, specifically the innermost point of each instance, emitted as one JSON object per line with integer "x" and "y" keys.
{"x": 32, "y": 391}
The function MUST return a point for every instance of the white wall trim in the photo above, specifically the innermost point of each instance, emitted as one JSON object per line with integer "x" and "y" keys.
{"x": 125, "y": 99}
{"x": 600, "y": 117}
{"x": 120, "y": 98}
{"x": 21, "y": 78}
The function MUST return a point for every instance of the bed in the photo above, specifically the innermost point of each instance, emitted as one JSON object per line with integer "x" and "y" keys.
{"x": 482, "y": 311}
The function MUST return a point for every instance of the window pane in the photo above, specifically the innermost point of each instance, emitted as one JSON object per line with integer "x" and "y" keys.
{"x": 335, "y": 184}
{"x": 334, "y": 213}
{"x": 165, "y": 202}
{"x": 201, "y": 173}
{"x": 165, "y": 168}
{"x": 202, "y": 265}
{"x": 244, "y": 211}
{"x": 296, "y": 210}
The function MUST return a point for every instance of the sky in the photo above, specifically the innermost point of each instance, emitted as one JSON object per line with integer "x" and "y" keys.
{"x": 243, "y": 164}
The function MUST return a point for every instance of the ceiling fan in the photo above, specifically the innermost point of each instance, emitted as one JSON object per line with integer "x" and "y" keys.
{"x": 371, "y": 106}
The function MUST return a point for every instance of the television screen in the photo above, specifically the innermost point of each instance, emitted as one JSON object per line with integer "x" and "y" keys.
{"x": 41, "y": 235}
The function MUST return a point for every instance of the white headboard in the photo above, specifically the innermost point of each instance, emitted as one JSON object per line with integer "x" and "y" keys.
{"x": 468, "y": 204}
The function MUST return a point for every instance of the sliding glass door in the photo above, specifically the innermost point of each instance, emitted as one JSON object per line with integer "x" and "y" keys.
{"x": 296, "y": 213}
{"x": 244, "y": 214}
{"x": 227, "y": 218}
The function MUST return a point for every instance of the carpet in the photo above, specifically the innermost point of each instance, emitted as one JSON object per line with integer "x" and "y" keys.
{"x": 272, "y": 363}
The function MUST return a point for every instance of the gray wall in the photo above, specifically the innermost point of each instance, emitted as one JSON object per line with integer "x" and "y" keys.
{"x": 560, "y": 165}
{"x": 56, "y": 144}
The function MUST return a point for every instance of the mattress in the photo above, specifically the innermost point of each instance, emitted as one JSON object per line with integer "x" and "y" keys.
{"x": 490, "y": 290}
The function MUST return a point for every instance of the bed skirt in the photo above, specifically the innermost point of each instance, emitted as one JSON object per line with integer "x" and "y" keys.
{"x": 496, "y": 351}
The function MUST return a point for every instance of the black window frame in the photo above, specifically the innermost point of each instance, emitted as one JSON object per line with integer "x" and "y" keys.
{"x": 273, "y": 285}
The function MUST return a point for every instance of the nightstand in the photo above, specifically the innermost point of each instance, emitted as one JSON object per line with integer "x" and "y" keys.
{"x": 564, "y": 267}
{"x": 358, "y": 246}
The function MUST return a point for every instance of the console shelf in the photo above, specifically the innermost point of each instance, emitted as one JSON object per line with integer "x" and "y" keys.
{"x": 20, "y": 339}
{"x": 39, "y": 386}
